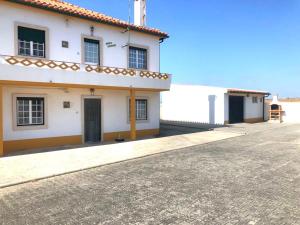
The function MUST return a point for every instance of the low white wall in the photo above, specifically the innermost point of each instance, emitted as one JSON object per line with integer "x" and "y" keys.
{"x": 68, "y": 122}
{"x": 188, "y": 103}
{"x": 291, "y": 112}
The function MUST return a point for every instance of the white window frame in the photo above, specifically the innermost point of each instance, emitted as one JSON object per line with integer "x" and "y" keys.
{"x": 31, "y": 26}
{"x": 137, "y": 49}
{"x": 254, "y": 99}
{"x": 101, "y": 49}
{"x": 31, "y": 48}
{"x": 147, "y": 48}
{"x": 148, "y": 107}
{"x": 31, "y": 126}
{"x": 86, "y": 41}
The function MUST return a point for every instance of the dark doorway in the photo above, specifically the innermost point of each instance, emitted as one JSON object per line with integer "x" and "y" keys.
{"x": 92, "y": 120}
{"x": 236, "y": 109}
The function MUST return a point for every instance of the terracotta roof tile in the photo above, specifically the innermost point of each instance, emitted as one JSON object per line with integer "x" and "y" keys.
{"x": 235, "y": 90}
{"x": 77, "y": 11}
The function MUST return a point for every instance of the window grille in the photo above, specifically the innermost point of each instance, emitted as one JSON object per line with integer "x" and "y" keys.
{"x": 30, "y": 111}
{"x": 137, "y": 58}
{"x": 92, "y": 51}
{"x": 141, "y": 109}
{"x": 30, "y": 48}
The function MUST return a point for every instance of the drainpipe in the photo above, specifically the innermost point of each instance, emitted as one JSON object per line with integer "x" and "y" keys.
{"x": 267, "y": 95}
{"x": 264, "y": 109}
{"x": 160, "y": 42}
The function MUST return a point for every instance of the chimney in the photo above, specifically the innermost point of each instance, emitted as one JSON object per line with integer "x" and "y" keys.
{"x": 275, "y": 100}
{"x": 140, "y": 12}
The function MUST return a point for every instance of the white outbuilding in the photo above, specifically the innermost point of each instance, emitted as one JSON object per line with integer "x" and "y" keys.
{"x": 212, "y": 105}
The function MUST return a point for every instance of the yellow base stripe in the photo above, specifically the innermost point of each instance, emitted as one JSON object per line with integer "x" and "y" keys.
{"x": 1, "y": 122}
{"x": 254, "y": 120}
{"x": 27, "y": 144}
{"x": 19, "y": 145}
{"x": 126, "y": 134}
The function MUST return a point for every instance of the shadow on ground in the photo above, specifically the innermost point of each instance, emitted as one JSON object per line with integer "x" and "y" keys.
{"x": 166, "y": 130}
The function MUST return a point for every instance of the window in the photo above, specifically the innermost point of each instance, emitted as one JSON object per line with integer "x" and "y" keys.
{"x": 91, "y": 51}
{"x": 141, "y": 109}
{"x": 30, "y": 111}
{"x": 137, "y": 58}
{"x": 31, "y": 42}
{"x": 254, "y": 100}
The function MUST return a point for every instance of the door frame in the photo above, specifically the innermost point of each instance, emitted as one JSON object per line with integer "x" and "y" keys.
{"x": 244, "y": 106}
{"x": 83, "y": 97}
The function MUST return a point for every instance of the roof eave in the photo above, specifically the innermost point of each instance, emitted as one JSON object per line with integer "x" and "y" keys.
{"x": 160, "y": 35}
{"x": 232, "y": 91}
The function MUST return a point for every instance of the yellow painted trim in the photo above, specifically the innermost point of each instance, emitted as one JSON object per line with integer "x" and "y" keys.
{"x": 126, "y": 134}
{"x": 151, "y": 132}
{"x": 65, "y": 85}
{"x": 1, "y": 122}
{"x": 132, "y": 115}
{"x": 19, "y": 145}
{"x": 254, "y": 120}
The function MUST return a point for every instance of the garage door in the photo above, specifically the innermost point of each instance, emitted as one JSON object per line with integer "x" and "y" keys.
{"x": 236, "y": 109}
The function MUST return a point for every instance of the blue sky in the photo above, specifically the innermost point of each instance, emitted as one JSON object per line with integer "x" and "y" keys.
{"x": 253, "y": 44}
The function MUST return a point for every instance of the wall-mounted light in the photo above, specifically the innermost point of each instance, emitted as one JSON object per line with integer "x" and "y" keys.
{"x": 67, "y": 22}
{"x": 92, "y": 91}
{"x": 65, "y": 44}
{"x": 92, "y": 28}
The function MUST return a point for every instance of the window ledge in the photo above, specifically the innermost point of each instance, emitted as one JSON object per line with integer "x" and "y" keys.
{"x": 30, "y": 127}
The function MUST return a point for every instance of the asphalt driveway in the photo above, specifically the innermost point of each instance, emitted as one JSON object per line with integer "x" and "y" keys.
{"x": 251, "y": 179}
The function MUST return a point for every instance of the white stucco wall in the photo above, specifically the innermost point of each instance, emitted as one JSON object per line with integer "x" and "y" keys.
{"x": 65, "y": 28}
{"x": 71, "y": 31}
{"x": 58, "y": 76}
{"x": 291, "y": 111}
{"x": 204, "y": 104}
{"x": 189, "y": 103}
{"x": 68, "y": 122}
{"x": 253, "y": 110}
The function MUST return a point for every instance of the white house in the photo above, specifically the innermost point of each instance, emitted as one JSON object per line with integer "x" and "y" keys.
{"x": 68, "y": 75}
{"x": 211, "y": 105}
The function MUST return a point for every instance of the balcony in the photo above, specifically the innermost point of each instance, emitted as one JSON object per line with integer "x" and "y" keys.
{"x": 26, "y": 69}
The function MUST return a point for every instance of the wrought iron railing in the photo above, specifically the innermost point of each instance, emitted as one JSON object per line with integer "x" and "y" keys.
{"x": 72, "y": 66}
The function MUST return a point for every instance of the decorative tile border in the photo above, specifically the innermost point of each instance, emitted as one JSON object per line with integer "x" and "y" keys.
{"x": 12, "y": 60}
{"x": 52, "y": 64}
{"x": 154, "y": 75}
{"x": 110, "y": 70}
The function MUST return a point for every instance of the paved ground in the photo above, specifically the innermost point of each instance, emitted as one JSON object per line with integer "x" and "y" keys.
{"x": 29, "y": 167}
{"x": 170, "y": 130}
{"x": 252, "y": 179}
